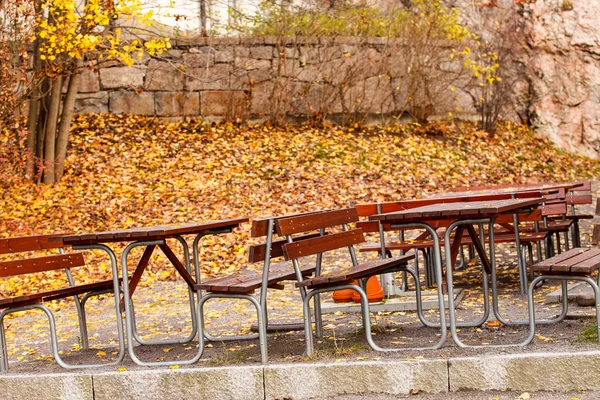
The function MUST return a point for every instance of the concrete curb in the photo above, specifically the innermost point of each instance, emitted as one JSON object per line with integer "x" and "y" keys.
{"x": 559, "y": 372}
{"x": 516, "y": 372}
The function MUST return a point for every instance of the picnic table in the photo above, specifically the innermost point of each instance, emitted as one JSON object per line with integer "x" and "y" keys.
{"x": 550, "y": 187}
{"x": 461, "y": 216}
{"x": 149, "y": 238}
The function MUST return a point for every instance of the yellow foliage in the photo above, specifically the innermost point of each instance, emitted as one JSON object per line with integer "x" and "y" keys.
{"x": 129, "y": 171}
{"x": 68, "y": 33}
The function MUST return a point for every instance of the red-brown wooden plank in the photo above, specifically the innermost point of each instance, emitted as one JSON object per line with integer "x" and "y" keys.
{"x": 257, "y": 252}
{"x": 363, "y": 270}
{"x": 561, "y": 257}
{"x": 311, "y": 222}
{"x": 260, "y": 226}
{"x": 40, "y": 264}
{"x": 29, "y": 243}
{"x": 587, "y": 267}
{"x": 579, "y": 199}
{"x": 322, "y": 244}
{"x": 591, "y": 253}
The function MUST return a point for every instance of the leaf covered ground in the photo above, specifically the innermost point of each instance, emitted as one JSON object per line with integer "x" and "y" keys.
{"x": 128, "y": 171}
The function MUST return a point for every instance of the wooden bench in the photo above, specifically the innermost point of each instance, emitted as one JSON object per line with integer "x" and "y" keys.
{"x": 242, "y": 284}
{"x": 577, "y": 264}
{"x": 338, "y": 278}
{"x": 35, "y": 298}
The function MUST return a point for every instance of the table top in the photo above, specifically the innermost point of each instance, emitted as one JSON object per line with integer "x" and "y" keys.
{"x": 508, "y": 189}
{"x": 149, "y": 233}
{"x": 459, "y": 210}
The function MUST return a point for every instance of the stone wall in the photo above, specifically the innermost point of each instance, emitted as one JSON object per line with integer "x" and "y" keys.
{"x": 254, "y": 78}
{"x": 558, "y": 91}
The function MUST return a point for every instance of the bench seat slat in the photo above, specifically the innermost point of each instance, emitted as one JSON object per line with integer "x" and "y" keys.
{"x": 363, "y": 270}
{"x": 578, "y": 261}
{"x": 246, "y": 281}
{"x": 56, "y": 294}
{"x": 560, "y": 257}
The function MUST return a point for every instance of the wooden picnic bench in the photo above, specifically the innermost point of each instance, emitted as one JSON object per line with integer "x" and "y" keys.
{"x": 242, "y": 284}
{"x": 577, "y": 264}
{"x": 339, "y": 278}
{"x": 35, "y": 298}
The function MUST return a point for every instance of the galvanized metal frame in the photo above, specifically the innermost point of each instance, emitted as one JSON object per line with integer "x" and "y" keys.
{"x": 565, "y": 279}
{"x": 130, "y": 318}
{"x": 365, "y": 302}
{"x": 260, "y": 312}
{"x": 492, "y": 258}
{"x": 192, "y": 335}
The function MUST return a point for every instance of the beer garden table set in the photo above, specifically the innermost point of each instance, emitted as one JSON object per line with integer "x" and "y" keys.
{"x": 461, "y": 212}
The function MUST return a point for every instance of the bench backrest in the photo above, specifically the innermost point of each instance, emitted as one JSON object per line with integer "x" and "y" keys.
{"x": 260, "y": 226}
{"x": 318, "y": 222}
{"x": 35, "y": 264}
{"x": 581, "y": 194}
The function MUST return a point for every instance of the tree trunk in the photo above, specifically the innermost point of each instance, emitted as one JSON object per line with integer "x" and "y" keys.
{"x": 34, "y": 107}
{"x": 50, "y": 139}
{"x": 66, "y": 118}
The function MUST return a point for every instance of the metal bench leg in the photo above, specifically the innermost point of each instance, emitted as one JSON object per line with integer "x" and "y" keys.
{"x": 453, "y": 323}
{"x": 3, "y": 350}
{"x": 260, "y": 313}
{"x": 577, "y": 234}
{"x": 116, "y": 298}
{"x": 53, "y": 339}
{"x": 565, "y": 279}
{"x": 192, "y": 335}
{"x": 366, "y": 316}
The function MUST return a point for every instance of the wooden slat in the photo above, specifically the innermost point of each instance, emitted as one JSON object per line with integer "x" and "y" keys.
{"x": 561, "y": 257}
{"x": 596, "y": 234}
{"x": 568, "y": 263}
{"x": 246, "y": 281}
{"x": 311, "y": 222}
{"x": 463, "y": 209}
{"x": 29, "y": 243}
{"x": 56, "y": 294}
{"x": 322, "y": 244}
{"x": 579, "y": 199}
{"x": 40, "y": 264}
{"x": 151, "y": 232}
{"x": 554, "y": 209}
{"x": 587, "y": 267}
{"x": 364, "y": 210}
{"x": 584, "y": 186}
{"x": 257, "y": 252}
{"x": 260, "y": 226}
{"x": 360, "y": 271}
